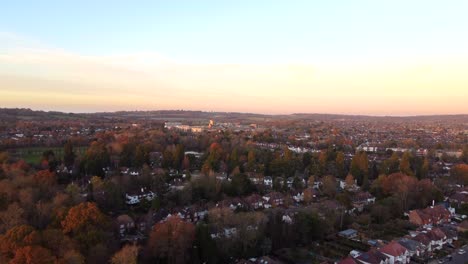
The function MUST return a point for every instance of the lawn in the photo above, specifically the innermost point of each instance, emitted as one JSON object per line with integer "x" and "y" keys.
{"x": 33, "y": 155}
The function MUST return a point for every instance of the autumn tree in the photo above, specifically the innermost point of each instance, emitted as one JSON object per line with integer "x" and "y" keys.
{"x": 95, "y": 159}
{"x": 340, "y": 164}
{"x": 308, "y": 195}
{"x": 311, "y": 181}
{"x": 349, "y": 181}
{"x": 459, "y": 174}
{"x": 86, "y": 223}
{"x": 360, "y": 168}
{"x": 15, "y": 238}
{"x": 329, "y": 185}
{"x": 13, "y": 216}
{"x": 33, "y": 255}
{"x": 405, "y": 164}
{"x": 390, "y": 165}
{"x": 127, "y": 255}
{"x": 171, "y": 241}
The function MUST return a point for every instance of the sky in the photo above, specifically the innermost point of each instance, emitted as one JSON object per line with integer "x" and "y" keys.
{"x": 277, "y": 57}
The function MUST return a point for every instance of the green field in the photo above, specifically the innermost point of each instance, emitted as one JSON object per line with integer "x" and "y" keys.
{"x": 33, "y": 155}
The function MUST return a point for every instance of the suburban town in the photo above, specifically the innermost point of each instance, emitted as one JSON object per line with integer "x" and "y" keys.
{"x": 201, "y": 187}
{"x": 234, "y": 132}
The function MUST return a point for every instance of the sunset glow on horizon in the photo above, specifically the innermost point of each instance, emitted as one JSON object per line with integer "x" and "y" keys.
{"x": 392, "y": 58}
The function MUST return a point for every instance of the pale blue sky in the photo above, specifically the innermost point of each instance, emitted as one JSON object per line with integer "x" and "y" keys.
{"x": 244, "y": 31}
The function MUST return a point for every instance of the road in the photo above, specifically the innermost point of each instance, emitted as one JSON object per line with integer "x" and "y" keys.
{"x": 459, "y": 259}
{"x": 456, "y": 258}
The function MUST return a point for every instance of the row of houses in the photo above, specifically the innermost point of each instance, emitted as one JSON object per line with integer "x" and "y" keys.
{"x": 418, "y": 244}
{"x": 435, "y": 231}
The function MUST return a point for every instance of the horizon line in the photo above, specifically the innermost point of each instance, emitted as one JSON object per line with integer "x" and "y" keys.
{"x": 229, "y": 112}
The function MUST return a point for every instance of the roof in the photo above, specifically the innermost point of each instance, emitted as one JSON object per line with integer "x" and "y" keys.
{"x": 124, "y": 219}
{"x": 348, "y": 260}
{"x": 409, "y": 244}
{"x": 348, "y": 232}
{"x": 393, "y": 249}
{"x": 372, "y": 256}
{"x": 433, "y": 212}
{"x": 423, "y": 239}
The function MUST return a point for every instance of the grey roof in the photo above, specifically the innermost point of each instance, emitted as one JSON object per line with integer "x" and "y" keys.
{"x": 409, "y": 244}
{"x": 348, "y": 232}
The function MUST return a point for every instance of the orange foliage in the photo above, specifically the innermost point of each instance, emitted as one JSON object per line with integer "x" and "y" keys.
{"x": 32, "y": 255}
{"x": 80, "y": 216}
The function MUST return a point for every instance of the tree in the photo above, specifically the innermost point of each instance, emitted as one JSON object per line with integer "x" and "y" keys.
{"x": 459, "y": 173}
{"x": 241, "y": 185}
{"x": 171, "y": 240}
{"x": 68, "y": 154}
{"x": 349, "y": 181}
{"x": 72, "y": 257}
{"x": 340, "y": 164}
{"x": 329, "y": 185}
{"x": 308, "y": 195}
{"x": 32, "y": 255}
{"x": 81, "y": 216}
{"x": 311, "y": 181}
{"x": 17, "y": 237}
{"x": 405, "y": 164}
{"x": 95, "y": 159}
{"x": 323, "y": 162}
{"x": 206, "y": 246}
{"x": 127, "y": 255}
{"x": 360, "y": 168}
{"x": 87, "y": 224}
{"x": 12, "y": 217}
{"x": 251, "y": 160}
{"x": 390, "y": 165}
{"x": 186, "y": 163}
{"x": 179, "y": 154}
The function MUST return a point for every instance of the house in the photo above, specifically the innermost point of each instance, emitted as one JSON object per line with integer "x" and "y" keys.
{"x": 362, "y": 199}
{"x": 125, "y": 224}
{"x": 134, "y": 173}
{"x": 396, "y": 252}
{"x": 414, "y": 247}
{"x": 348, "y": 233}
{"x": 273, "y": 199}
{"x": 142, "y": 224}
{"x": 348, "y": 260}
{"x": 373, "y": 256}
{"x": 440, "y": 236}
{"x": 232, "y": 203}
{"x": 254, "y": 201}
{"x": 268, "y": 181}
{"x": 136, "y": 197}
{"x": 437, "y": 240}
{"x": 289, "y": 182}
{"x": 196, "y": 213}
{"x": 451, "y": 233}
{"x": 298, "y": 197}
{"x": 430, "y": 216}
{"x": 424, "y": 241}
{"x": 459, "y": 198}
{"x": 353, "y": 187}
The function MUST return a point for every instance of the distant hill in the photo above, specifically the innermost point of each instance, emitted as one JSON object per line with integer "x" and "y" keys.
{"x": 16, "y": 114}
